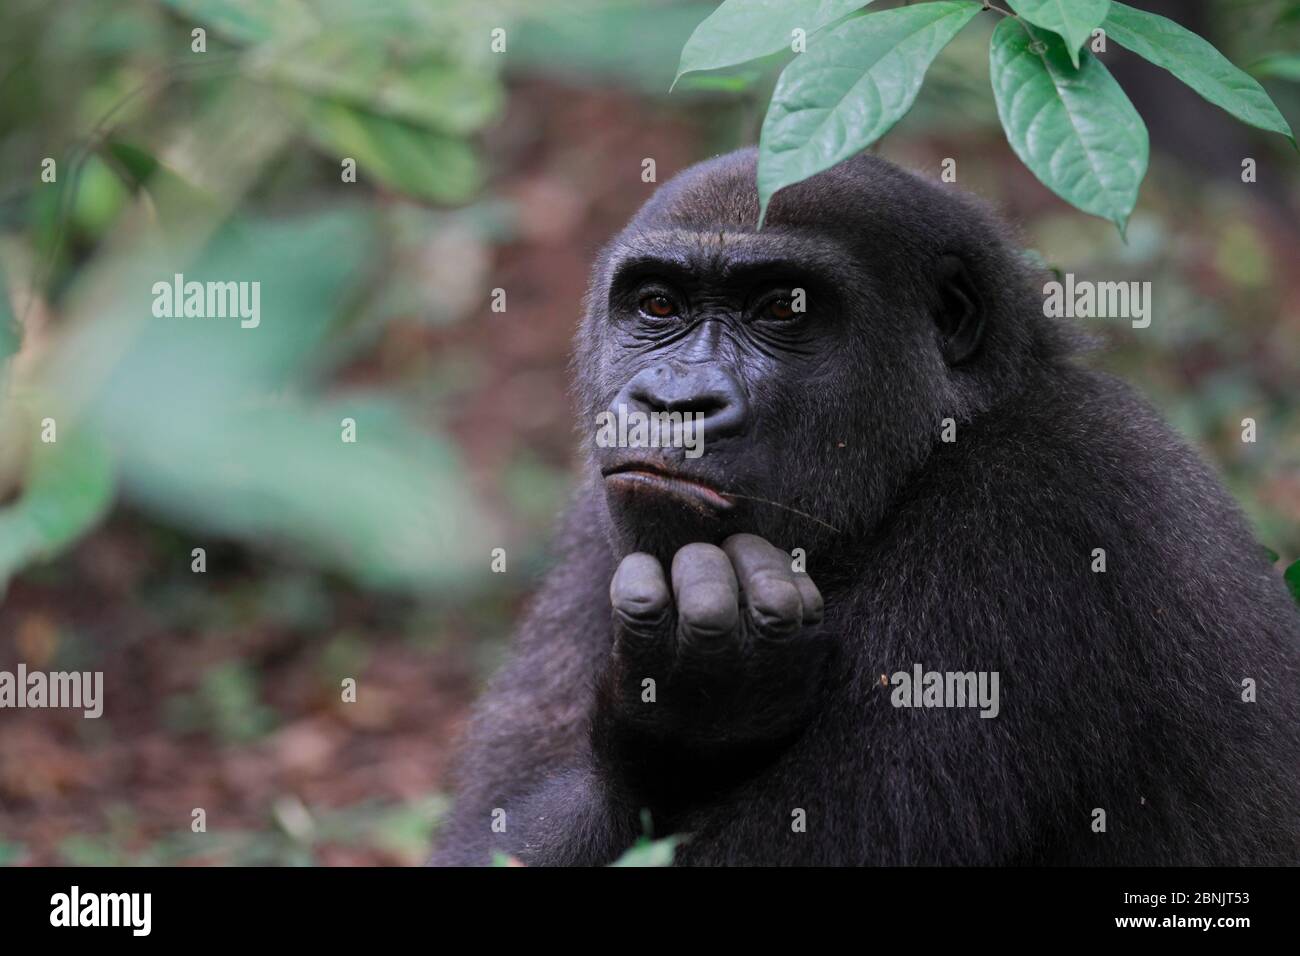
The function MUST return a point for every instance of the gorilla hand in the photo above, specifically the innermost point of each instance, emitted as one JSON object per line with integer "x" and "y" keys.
{"x": 733, "y": 647}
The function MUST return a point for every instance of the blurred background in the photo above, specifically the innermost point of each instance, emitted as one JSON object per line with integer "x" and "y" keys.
{"x": 476, "y": 170}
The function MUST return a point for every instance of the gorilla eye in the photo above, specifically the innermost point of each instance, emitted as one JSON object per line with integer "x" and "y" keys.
{"x": 659, "y": 306}
{"x": 782, "y": 309}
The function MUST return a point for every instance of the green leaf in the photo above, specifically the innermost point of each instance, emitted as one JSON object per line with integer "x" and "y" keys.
{"x": 68, "y": 488}
{"x": 1197, "y": 63}
{"x": 646, "y": 852}
{"x": 410, "y": 159}
{"x": 743, "y": 30}
{"x": 1074, "y": 129}
{"x": 1292, "y": 576}
{"x": 1284, "y": 66}
{"x": 1272, "y": 555}
{"x": 1072, "y": 20}
{"x": 849, "y": 88}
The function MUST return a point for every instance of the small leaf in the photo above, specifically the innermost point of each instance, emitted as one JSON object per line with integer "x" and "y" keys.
{"x": 1197, "y": 63}
{"x": 646, "y": 852}
{"x": 1292, "y": 576}
{"x": 1072, "y": 20}
{"x": 68, "y": 488}
{"x": 846, "y": 92}
{"x": 1271, "y": 554}
{"x": 1074, "y": 129}
{"x": 1284, "y": 66}
{"x": 743, "y": 30}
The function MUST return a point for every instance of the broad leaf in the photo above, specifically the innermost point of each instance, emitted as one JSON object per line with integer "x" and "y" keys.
{"x": 1197, "y": 63}
{"x": 849, "y": 88}
{"x": 743, "y": 30}
{"x": 1072, "y": 20}
{"x": 217, "y": 427}
{"x": 1292, "y": 576}
{"x": 1074, "y": 129}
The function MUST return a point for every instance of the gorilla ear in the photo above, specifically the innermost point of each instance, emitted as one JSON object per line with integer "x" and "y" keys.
{"x": 960, "y": 314}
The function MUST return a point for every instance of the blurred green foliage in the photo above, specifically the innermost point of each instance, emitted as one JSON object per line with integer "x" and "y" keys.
{"x": 160, "y": 171}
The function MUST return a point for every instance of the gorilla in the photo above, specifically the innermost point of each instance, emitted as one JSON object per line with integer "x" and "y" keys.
{"x": 907, "y": 471}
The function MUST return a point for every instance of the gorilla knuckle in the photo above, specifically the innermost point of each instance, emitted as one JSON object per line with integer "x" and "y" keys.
{"x": 707, "y": 613}
{"x": 775, "y": 604}
{"x": 641, "y": 617}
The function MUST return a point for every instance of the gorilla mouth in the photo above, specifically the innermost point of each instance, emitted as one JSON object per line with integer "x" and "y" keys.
{"x": 638, "y": 478}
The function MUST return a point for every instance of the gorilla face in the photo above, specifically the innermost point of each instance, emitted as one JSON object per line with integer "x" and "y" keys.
{"x": 801, "y": 349}
{"x": 716, "y": 327}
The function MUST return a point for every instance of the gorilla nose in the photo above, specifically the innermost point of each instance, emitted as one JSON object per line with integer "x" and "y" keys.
{"x": 698, "y": 390}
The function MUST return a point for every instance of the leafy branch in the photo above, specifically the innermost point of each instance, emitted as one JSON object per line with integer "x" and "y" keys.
{"x": 856, "y": 74}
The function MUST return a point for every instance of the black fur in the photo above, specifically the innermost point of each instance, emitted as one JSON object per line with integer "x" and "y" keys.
{"x": 1119, "y": 690}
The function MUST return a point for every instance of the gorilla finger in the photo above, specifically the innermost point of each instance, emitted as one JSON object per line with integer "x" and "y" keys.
{"x": 767, "y": 584}
{"x": 706, "y": 593}
{"x": 641, "y": 600}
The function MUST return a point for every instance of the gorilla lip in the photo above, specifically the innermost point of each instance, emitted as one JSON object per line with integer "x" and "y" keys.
{"x": 638, "y": 477}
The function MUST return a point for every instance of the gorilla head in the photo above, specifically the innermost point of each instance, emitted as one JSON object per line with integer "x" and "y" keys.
{"x": 833, "y": 342}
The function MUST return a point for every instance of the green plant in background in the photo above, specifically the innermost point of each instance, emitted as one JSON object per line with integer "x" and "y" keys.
{"x": 230, "y": 432}
{"x": 1062, "y": 112}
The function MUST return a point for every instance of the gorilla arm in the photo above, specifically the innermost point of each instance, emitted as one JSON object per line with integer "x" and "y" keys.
{"x": 528, "y": 750}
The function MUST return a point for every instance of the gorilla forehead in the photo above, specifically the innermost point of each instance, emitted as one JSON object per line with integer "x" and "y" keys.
{"x": 727, "y": 252}
{"x": 862, "y": 202}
